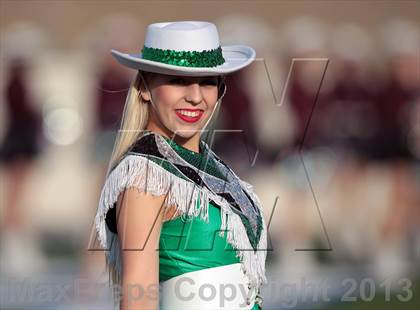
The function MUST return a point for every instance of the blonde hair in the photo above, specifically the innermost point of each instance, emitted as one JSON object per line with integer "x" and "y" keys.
{"x": 133, "y": 123}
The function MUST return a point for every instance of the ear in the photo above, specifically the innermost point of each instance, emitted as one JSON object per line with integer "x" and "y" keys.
{"x": 144, "y": 93}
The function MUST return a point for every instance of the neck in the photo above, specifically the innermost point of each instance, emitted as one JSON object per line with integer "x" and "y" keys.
{"x": 191, "y": 143}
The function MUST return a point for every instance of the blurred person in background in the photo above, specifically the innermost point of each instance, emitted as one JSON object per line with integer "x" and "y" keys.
{"x": 310, "y": 87}
{"x": 397, "y": 105}
{"x": 397, "y": 96}
{"x": 265, "y": 130}
{"x": 233, "y": 146}
{"x": 352, "y": 118}
{"x": 20, "y": 146}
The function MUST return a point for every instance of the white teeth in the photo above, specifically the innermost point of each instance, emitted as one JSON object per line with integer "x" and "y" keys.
{"x": 189, "y": 113}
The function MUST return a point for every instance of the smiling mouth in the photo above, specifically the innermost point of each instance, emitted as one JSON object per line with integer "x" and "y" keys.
{"x": 189, "y": 115}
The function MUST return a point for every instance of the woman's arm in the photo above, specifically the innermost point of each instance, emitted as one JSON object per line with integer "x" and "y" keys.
{"x": 139, "y": 224}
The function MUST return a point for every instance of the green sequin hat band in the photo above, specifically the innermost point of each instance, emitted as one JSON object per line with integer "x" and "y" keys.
{"x": 189, "y": 48}
{"x": 209, "y": 58}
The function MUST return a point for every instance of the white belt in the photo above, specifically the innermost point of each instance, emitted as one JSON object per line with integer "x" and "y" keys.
{"x": 224, "y": 287}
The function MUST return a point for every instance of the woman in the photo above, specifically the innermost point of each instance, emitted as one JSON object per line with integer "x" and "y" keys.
{"x": 166, "y": 189}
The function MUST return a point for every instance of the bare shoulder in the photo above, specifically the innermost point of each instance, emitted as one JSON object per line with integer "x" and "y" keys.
{"x": 139, "y": 218}
{"x": 139, "y": 221}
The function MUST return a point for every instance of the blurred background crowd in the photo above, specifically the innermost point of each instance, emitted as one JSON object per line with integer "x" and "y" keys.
{"x": 325, "y": 124}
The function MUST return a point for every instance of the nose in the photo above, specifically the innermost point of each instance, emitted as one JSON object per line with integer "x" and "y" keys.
{"x": 193, "y": 93}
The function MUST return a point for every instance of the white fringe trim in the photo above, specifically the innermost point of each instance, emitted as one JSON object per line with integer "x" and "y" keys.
{"x": 147, "y": 176}
{"x": 253, "y": 263}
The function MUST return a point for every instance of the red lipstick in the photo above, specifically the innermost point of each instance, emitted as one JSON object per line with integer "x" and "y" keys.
{"x": 189, "y": 115}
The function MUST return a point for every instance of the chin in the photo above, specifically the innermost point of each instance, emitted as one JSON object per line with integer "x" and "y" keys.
{"x": 186, "y": 133}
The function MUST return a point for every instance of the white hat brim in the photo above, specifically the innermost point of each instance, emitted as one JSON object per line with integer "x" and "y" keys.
{"x": 236, "y": 57}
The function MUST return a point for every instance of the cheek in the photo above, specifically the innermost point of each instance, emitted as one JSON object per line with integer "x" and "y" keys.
{"x": 166, "y": 98}
{"x": 211, "y": 98}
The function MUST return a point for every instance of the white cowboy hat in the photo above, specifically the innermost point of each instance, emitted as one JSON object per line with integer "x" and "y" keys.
{"x": 190, "y": 48}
